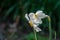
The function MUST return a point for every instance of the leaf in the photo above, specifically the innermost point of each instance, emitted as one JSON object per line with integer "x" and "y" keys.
{"x": 9, "y": 11}
{"x": 57, "y": 4}
{"x": 16, "y": 12}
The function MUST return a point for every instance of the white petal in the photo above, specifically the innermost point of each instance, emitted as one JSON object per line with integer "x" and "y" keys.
{"x": 34, "y": 25}
{"x": 37, "y": 29}
{"x": 26, "y": 16}
{"x": 31, "y": 14}
{"x": 36, "y": 21}
{"x": 39, "y": 12}
{"x": 42, "y": 15}
{"x": 39, "y": 20}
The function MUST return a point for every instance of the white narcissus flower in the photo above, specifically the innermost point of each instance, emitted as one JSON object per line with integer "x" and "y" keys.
{"x": 35, "y": 22}
{"x": 35, "y": 19}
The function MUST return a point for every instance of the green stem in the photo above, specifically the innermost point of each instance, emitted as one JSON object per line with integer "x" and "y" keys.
{"x": 50, "y": 30}
{"x": 35, "y": 34}
{"x": 55, "y": 35}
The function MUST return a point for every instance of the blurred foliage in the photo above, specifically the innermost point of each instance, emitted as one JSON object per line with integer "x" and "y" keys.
{"x": 31, "y": 37}
{"x": 9, "y": 9}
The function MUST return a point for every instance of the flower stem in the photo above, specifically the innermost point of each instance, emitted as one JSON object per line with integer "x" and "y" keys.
{"x": 35, "y": 34}
{"x": 31, "y": 24}
{"x": 50, "y": 30}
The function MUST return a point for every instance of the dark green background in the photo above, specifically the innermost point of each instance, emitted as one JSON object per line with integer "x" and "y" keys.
{"x": 12, "y": 8}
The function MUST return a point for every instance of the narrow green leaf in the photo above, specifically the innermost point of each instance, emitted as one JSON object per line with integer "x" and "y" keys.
{"x": 9, "y": 11}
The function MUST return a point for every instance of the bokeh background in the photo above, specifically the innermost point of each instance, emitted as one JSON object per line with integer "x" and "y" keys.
{"x": 10, "y": 9}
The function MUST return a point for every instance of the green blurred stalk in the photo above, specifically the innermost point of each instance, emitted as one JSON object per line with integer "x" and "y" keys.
{"x": 55, "y": 35}
{"x": 50, "y": 30}
{"x": 35, "y": 34}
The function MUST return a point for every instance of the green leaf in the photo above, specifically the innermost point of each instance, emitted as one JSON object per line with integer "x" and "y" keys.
{"x": 57, "y": 4}
{"x": 9, "y": 11}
